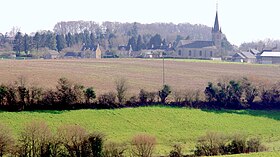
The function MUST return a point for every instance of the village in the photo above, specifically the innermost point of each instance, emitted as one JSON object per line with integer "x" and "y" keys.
{"x": 185, "y": 49}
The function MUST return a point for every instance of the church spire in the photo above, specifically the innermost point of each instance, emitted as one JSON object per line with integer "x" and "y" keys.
{"x": 216, "y": 24}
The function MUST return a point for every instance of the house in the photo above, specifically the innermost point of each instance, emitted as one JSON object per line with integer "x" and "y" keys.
{"x": 71, "y": 55}
{"x": 51, "y": 55}
{"x": 268, "y": 57}
{"x": 254, "y": 52}
{"x": 151, "y": 54}
{"x": 247, "y": 57}
{"x": 202, "y": 49}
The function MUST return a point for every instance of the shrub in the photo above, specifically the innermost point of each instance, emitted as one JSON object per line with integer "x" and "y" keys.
{"x": 238, "y": 144}
{"x": 112, "y": 149}
{"x": 89, "y": 95}
{"x": 3, "y": 94}
{"x": 35, "y": 140}
{"x": 36, "y": 95}
{"x": 6, "y": 140}
{"x": 65, "y": 92}
{"x": 107, "y": 100}
{"x": 225, "y": 94}
{"x": 271, "y": 96}
{"x": 191, "y": 97}
{"x": 132, "y": 101}
{"x": 143, "y": 145}
{"x": 96, "y": 141}
{"x": 254, "y": 145}
{"x": 50, "y": 98}
{"x": 163, "y": 93}
{"x": 211, "y": 144}
{"x": 72, "y": 138}
{"x": 176, "y": 152}
{"x": 178, "y": 96}
{"x": 11, "y": 97}
{"x": 250, "y": 91}
{"x": 143, "y": 96}
{"x": 121, "y": 89}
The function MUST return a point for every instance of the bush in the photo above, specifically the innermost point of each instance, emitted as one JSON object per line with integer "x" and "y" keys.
{"x": 92, "y": 145}
{"x": 50, "y": 99}
{"x": 250, "y": 91}
{"x": 211, "y": 144}
{"x": 254, "y": 145}
{"x": 271, "y": 96}
{"x": 107, "y": 100}
{"x": 178, "y": 96}
{"x": 6, "y": 141}
{"x": 67, "y": 93}
{"x": 225, "y": 94}
{"x": 36, "y": 96}
{"x": 176, "y": 152}
{"x": 163, "y": 93}
{"x": 143, "y": 96}
{"x": 143, "y": 145}
{"x": 121, "y": 89}
{"x": 112, "y": 149}
{"x": 35, "y": 140}
{"x": 72, "y": 138}
{"x": 89, "y": 95}
{"x": 237, "y": 145}
{"x": 191, "y": 97}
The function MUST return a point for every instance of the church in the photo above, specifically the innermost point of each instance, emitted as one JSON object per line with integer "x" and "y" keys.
{"x": 202, "y": 49}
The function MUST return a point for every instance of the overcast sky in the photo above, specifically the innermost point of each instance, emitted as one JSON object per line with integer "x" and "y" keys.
{"x": 241, "y": 20}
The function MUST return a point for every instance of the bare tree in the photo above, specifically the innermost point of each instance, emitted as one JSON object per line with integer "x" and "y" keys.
{"x": 121, "y": 88}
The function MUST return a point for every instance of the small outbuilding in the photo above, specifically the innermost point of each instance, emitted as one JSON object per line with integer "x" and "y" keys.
{"x": 244, "y": 57}
{"x": 270, "y": 57}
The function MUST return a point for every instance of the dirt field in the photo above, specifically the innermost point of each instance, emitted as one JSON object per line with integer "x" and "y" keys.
{"x": 140, "y": 73}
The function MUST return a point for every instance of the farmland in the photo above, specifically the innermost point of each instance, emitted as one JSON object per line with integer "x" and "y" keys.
{"x": 147, "y": 74}
{"x": 169, "y": 125}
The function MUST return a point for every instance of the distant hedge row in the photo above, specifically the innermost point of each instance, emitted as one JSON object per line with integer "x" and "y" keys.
{"x": 232, "y": 94}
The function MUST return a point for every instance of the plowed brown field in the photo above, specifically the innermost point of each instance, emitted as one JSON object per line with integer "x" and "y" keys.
{"x": 140, "y": 73}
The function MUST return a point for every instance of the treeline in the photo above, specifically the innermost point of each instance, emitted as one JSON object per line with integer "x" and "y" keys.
{"x": 111, "y": 36}
{"x": 233, "y": 94}
{"x": 268, "y": 44}
{"x": 37, "y": 139}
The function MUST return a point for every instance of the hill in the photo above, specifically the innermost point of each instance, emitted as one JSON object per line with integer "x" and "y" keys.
{"x": 169, "y": 125}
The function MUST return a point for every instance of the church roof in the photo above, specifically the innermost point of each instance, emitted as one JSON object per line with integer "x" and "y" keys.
{"x": 216, "y": 24}
{"x": 198, "y": 44}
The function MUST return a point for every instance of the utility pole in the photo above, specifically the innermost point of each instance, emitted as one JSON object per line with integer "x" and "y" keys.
{"x": 163, "y": 74}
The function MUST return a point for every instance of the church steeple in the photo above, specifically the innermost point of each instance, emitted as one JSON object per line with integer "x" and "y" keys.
{"x": 217, "y": 32}
{"x": 216, "y": 24}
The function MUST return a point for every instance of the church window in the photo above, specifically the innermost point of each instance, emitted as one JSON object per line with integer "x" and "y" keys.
{"x": 180, "y": 52}
{"x": 190, "y": 53}
{"x": 200, "y": 53}
{"x": 211, "y": 53}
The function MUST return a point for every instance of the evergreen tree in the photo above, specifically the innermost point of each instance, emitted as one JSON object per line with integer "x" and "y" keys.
{"x": 26, "y": 44}
{"x": 140, "y": 44}
{"x": 69, "y": 40}
{"x": 132, "y": 43}
{"x": 18, "y": 43}
{"x": 155, "y": 42}
{"x": 60, "y": 42}
{"x": 36, "y": 40}
{"x": 51, "y": 41}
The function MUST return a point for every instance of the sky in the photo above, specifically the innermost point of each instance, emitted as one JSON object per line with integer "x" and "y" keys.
{"x": 241, "y": 20}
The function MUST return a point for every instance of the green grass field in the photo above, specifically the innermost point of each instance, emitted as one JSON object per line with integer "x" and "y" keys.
{"x": 169, "y": 125}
